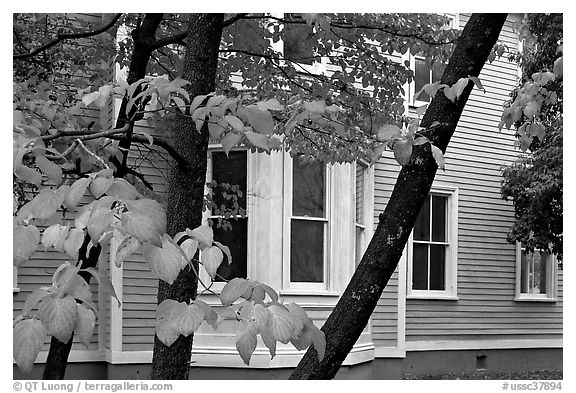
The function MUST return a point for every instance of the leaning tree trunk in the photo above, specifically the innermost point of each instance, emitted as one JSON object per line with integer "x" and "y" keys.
{"x": 143, "y": 37}
{"x": 186, "y": 184}
{"x": 352, "y": 313}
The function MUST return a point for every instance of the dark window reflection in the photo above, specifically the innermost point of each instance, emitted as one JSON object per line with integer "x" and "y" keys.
{"x": 230, "y": 170}
{"x": 307, "y": 251}
{"x": 308, "y": 194}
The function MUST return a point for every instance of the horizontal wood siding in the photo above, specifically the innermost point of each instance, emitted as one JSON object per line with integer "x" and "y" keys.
{"x": 486, "y": 308}
{"x": 139, "y": 285}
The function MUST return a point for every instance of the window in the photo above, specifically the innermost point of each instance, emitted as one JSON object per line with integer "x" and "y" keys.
{"x": 15, "y": 288}
{"x": 536, "y": 275}
{"x": 432, "y": 249}
{"x": 308, "y": 224}
{"x": 360, "y": 211}
{"x": 229, "y": 172}
{"x": 298, "y": 42}
{"x": 423, "y": 74}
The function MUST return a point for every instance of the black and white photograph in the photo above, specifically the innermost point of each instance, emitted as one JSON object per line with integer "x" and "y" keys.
{"x": 277, "y": 196}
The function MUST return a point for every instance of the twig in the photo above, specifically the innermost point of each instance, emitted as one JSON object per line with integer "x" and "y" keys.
{"x": 62, "y": 37}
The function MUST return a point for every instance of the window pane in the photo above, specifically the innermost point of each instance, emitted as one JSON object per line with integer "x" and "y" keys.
{"x": 524, "y": 273}
{"x": 231, "y": 170}
{"x": 437, "y": 267}
{"x": 420, "y": 266}
{"x": 422, "y": 225}
{"x": 298, "y": 41}
{"x": 237, "y": 240}
{"x": 307, "y": 251}
{"x": 421, "y": 77}
{"x": 308, "y": 188}
{"x": 359, "y": 244}
{"x": 439, "y": 218}
{"x": 543, "y": 261}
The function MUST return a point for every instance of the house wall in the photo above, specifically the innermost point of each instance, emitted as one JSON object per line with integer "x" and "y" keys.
{"x": 485, "y": 313}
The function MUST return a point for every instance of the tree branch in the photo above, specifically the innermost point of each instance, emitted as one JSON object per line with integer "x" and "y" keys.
{"x": 62, "y": 37}
{"x": 161, "y": 142}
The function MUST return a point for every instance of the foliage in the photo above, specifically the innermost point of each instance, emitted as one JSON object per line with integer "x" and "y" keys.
{"x": 534, "y": 181}
{"x": 354, "y": 110}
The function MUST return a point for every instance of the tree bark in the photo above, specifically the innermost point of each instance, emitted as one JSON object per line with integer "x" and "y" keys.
{"x": 345, "y": 324}
{"x": 186, "y": 185}
{"x": 143, "y": 36}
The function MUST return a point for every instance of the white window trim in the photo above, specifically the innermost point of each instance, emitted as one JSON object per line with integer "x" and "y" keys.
{"x": 15, "y": 288}
{"x": 367, "y": 207}
{"x": 451, "y": 271}
{"x": 287, "y": 285}
{"x": 551, "y": 296}
{"x": 250, "y": 268}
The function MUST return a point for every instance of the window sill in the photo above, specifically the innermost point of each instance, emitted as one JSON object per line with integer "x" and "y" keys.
{"x": 431, "y": 297}
{"x": 535, "y": 299}
{"x": 302, "y": 292}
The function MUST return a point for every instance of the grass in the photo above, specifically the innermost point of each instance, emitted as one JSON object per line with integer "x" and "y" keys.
{"x": 510, "y": 375}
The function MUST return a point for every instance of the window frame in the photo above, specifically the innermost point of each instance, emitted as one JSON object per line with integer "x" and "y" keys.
{"x": 451, "y": 264}
{"x": 552, "y": 281}
{"x": 306, "y": 287}
{"x": 365, "y": 227}
{"x": 250, "y": 268}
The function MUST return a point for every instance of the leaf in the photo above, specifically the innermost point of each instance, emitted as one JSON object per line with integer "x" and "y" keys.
{"x": 233, "y": 290}
{"x": 76, "y": 192}
{"x": 271, "y": 104}
{"x": 63, "y": 235}
{"x": 246, "y": 341}
{"x": 559, "y": 66}
{"x": 460, "y": 86}
{"x": 100, "y": 220}
{"x": 179, "y": 103}
{"x": 104, "y": 282}
{"x": 28, "y": 337}
{"x": 420, "y": 141}
{"x": 377, "y": 152}
{"x": 121, "y": 189}
{"x": 216, "y": 129}
{"x": 477, "y": 82}
{"x": 42, "y": 206}
{"x": 60, "y": 316}
{"x": 73, "y": 242}
{"x": 86, "y": 324}
{"x": 225, "y": 250}
{"x": 24, "y": 242}
{"x": 388, "y": 132}
{"x": 82, "y": 218}
{"x": 189, "y": 246}
{"x": 261, "y": 315}
{"x": 438, "y": 156}
{"x": 235, "y": 123}
{"x": 536, "y": 130}
{"x": 280, "y": 323}
{"x": 100, "y": 185}
{"x": 402, "y": 151}
{"x": 258, "y": 140}
{"x": 272, "y": 293}
{"x": 32, "y": 300}
{"x": 210, "y": 315}
{"x": 421, "y": 110}
{"x": 150, "y": 208}
{"x": 230, "y": 140}
{"x": 315, "y": 106}
{"x": 126, "y": 247}
{"x": 450, "y": 93}
{"x": 319, "y": 341}
{"x": 211, "y": 258}
{"x": 197, "y": 101}
{"x": 188, "y": 319}
{"x": 203, "y": 234}
{"x": 78, "y": 288}
{"x": 166, "y": 332}
{"x": 27, "y": 174}
{"x": 260, "y": 120}
{"x": 165, "y": 263}
{"x": 50, "y": 169}
{"x": 269, "y": 340}
{"x": 142, "y": 227}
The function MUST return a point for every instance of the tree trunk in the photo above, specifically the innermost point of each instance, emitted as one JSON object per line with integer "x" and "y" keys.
{"x": 186, "y": 186}
{"x": 352, "y": 313}
{"x": 143, "y": 36}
